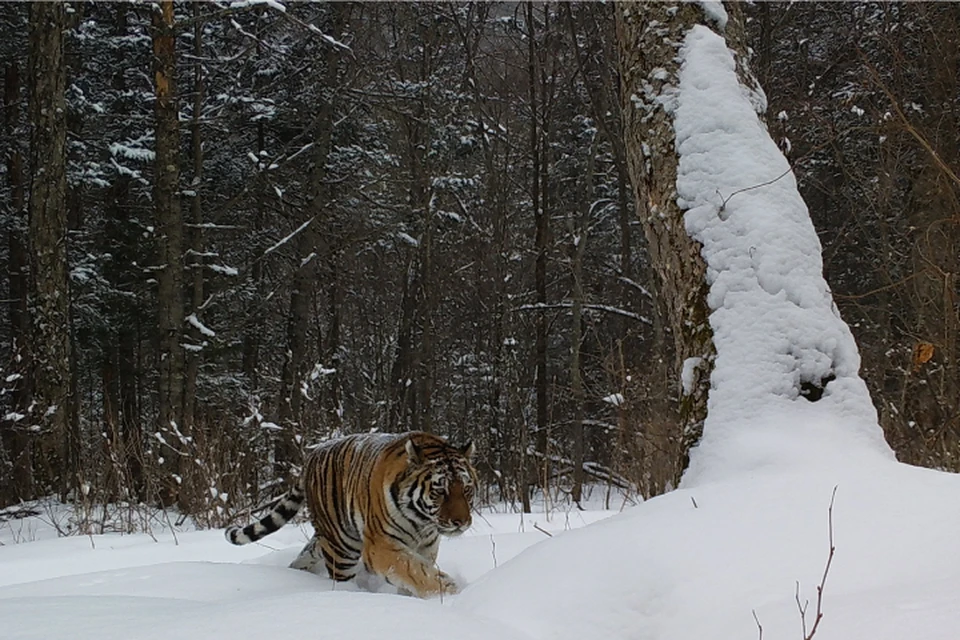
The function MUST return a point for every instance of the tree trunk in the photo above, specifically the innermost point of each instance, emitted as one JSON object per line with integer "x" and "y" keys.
{"x": 252, "y": 331}
{"x": 166, "y": 199}
{"x": 652, "y": 160}
{"x": 541, "y": 233}
{"x": 49, "y": 290}
{"x": 13, "y": 438}
{"x": 401, "y": 370}
{"x": 310, "y": 251}
{"x": 579, "y": 227}
{"x": 194, "y": 262}
{"x": 333, "y": 393}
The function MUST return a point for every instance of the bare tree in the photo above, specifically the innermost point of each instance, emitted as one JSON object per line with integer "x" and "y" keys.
{"x": 166, "y": 199}
{"x": 13, "y": 436}
{"x": 49, "y": 292}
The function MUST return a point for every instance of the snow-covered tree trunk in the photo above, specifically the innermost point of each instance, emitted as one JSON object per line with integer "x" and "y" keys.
{"x": 738, "y": 259}
{"x": 49, "y": 290}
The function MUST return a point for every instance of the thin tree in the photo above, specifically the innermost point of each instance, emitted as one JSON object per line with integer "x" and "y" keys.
{"x": 13, "y": 436}
{"x": 310, "y": 250}
{"x": 49, "y": 302}
{"x": 166, "y": 200}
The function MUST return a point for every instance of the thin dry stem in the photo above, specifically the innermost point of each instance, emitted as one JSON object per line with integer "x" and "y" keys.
{"x": 823, "y": 580}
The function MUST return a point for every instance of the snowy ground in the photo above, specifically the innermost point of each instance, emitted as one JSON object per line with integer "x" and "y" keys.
{"x": 695, "y": 563}
{"x": 195, "y": 583}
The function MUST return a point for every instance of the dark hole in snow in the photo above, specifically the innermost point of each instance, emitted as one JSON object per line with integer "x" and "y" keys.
{"x": 813, "y": 390}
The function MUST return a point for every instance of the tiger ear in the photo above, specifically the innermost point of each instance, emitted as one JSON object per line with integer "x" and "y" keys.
{"x": 468, "y": 449}
{"x": 414, "y": 456}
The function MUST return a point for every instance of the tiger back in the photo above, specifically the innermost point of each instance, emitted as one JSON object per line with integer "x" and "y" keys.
{"x": 380, "y": 502}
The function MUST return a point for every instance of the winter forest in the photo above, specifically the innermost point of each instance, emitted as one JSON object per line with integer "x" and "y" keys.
{"x": 685, "y": 273}
{"x": 232, "y": 230}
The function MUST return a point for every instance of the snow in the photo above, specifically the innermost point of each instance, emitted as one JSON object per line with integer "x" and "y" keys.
{"x": 774, "y": 322}
{"x": 616, "y": 399}
{"x": 196, "y": 585}
{"x": 688, "y": 373}
{"x": 289, "y": 237}
{"x": 223, "y": 269}
{"x": 132, "y": 150}
{"x": 714, "y": 11}
{"x": 695, "y": 563}
{"x": 194, "y": 321}
{"x": 408, "y": 239}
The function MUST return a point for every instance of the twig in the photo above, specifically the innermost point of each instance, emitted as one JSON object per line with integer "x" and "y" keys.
{"x": 173, "y": 531}
{"x": 723, "y": 205}
{"x": 543, "y": 531}
{"x": 759, "y": 626}
{"x": 893, "y": 285}
{"x": 823, "y": 580}
{"x": 937, "y": 160}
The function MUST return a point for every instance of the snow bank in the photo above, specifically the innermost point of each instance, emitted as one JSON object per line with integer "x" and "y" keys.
{"x": 774, "y": 322}
{"x": 695, "y": 563}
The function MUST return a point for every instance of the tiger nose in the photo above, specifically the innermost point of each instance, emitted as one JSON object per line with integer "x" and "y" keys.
{"x": 460, "y": 522}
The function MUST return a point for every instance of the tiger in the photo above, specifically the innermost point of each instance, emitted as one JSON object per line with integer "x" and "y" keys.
{"x": 382, "y": 500}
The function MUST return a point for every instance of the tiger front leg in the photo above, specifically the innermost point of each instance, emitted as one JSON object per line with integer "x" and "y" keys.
{"x": 403, "y": 569}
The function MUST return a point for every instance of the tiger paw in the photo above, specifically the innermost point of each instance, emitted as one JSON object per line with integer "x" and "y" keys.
{"x": 448, "y": 586}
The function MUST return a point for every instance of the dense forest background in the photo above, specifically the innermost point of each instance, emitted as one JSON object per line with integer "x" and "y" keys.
{"x": 278, "y": 223}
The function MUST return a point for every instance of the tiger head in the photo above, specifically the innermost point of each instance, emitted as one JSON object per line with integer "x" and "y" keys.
{"x": 442, "y": 484}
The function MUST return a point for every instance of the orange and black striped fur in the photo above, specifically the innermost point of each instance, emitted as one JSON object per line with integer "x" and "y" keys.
{"x": 383, "y": 500}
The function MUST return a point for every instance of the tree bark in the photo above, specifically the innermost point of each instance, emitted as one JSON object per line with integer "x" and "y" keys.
{"x": 579, "y": 228}
{"x": 13, "y": 438}
{"x": 194, "y": 260}
{"x": 166, "y": 198}
{"x": 49, "y": 288}
{"x": 120, "y": 342}
{"x": 652, "y": 161}
{"x": 541, "y": 234}
{"x": 252, "y": 331}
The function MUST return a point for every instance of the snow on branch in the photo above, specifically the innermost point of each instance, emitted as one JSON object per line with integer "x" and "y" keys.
{"x": 289, "y": 237}
{"x": 193, "y": 321}
{"x": 594, "y": 307}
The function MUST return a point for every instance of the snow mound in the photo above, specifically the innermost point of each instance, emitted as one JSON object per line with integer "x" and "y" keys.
{"x": 695, "y": 563}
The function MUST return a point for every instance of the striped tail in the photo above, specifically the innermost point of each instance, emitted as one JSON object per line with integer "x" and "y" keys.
{"x": 281, "y": 515}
